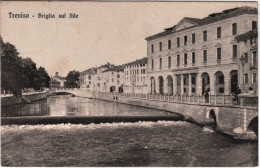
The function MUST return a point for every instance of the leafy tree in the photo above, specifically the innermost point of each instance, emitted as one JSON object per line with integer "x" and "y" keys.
{"x": 44, "y": 78}
{"x": 72, "y": 79}
{"x": 18, "y": 73}
{"x": 11, "y": 70}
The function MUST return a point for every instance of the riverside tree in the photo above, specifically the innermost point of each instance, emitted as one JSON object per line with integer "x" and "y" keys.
{"x": 72, "y": 79}
{"x": 18, "y": 73}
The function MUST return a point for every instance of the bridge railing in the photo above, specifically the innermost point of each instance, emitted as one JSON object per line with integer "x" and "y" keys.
{"x": 189, "y": 99}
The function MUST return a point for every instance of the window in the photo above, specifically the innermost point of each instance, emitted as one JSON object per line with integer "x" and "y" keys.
{"x": 221, "y": 79}
{"x": 219, "y": 54}
{"x": 193, "y": 80}
{"x": 185, "y": 80}
{"x": 169, "y": 44}
{"x": 254, "y": 78}
{"x": 245, "y": 78}
{"x": 219, "y": 32}
{"x": 246, "y": 57}
{"x": 193, "y": 57}
{"x": 234, "y": 28}
{"x": 112, "y": 79}
{"x": 169, "y": 62}
{"x": 152, "y": 48}
{"x": 185, "y": 40}
{"x": 178, "y": 60}
{"x": 221, "y": 90}
{"x": 152, "y": 65}
{"x": 112, "y": 73}
{"x": 254, "y": 59}
{"x": 118, "y": 76}
{"x": 193, "y": 90}
{"x": 204, "y": 55}
{"x": 193, "y": 38}
{"x": 160, "y": 45}
{"x": 205, "y": 38}
{"x": 234, "y": 51}
{"x": 185, "y": 58}
{"x": 254, "y": 25}
{"x": 160, "y": 63}
{"x": 178, "y": 42}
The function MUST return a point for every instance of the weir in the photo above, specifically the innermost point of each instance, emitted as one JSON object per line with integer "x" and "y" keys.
{"x": 235, "y": 120}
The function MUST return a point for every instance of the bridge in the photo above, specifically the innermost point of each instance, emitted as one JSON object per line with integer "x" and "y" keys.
{"x": 240, "y": 120}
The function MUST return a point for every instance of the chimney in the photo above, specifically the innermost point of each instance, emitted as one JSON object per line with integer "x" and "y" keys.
{"x": 57, "y": 74}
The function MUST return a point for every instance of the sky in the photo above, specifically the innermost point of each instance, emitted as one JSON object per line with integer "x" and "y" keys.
{"x": 104, "y": 32}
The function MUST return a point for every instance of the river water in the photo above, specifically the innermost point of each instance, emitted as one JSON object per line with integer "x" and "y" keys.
{"x": 162, "y": 143}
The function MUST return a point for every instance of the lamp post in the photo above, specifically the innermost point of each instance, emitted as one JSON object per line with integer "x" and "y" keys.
{"x": 243, "y": 61}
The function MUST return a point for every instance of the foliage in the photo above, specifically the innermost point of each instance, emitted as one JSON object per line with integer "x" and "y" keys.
{"x": 72, "y": 79}
{"x": 18, "y": 73}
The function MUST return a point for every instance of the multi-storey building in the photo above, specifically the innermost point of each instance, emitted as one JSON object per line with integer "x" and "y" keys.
{"x": 198, "y": 54}
{"x": 92, "y": 78}
{"x": 135, "y": 80}
{"x": 248, "y": 64}
{"x": 86, "y": 79}
{"x": 113, "y": 79}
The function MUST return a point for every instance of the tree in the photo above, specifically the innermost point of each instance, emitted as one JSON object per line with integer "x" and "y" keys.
{"x": 10, "y": 68}
{"x": 72, "y": 79}
{"x": 18, "y": 73}
{"x": 43, "y": 78}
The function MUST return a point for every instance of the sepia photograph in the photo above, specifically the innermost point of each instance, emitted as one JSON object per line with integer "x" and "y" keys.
{"x": 129, "y": 84}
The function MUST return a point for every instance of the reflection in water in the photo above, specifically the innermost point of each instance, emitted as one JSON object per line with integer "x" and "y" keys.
{"x": 66, "y": 105}
{"x": 38, "y": 108}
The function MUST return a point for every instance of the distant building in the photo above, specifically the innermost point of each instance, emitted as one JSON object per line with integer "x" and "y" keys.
{"x": 91, "y": 79}
{"x": 248, "y": 63}
{"x": 57, "y": 81}
{"x": 86, "y": 79}
{"x": 135, "y": 76}
{"x": 199, "y": 54}
{"x": 113, "y": 79}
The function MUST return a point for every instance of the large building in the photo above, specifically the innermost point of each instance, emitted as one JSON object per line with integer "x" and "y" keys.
{"x": 135, "y": 76}
{"x": 248, "y": 64}
{"x": 199, "y": 54}
{"x": 113, "y": 79}
{"x": 86, "y": 79}
{"x": 91, "y": 79}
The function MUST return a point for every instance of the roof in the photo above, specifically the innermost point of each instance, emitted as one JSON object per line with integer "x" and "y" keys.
{"x": 214, "y": 17}
{"x": 136, "y": 62}
{"x": 195, "y": 20}
{"x": 89, "y": 71}
{"x": 250, "y": 34}
{"x": 59, "y": 77}
{"x": 116, "y": 68}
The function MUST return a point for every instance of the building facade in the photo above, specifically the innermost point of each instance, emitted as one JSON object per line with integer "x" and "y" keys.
{"x": 198, "y": 54}
{"x": 113, "y": 79}
{"x": 135, "y": 76}
{"x": 57, "y": 81}
{"x": 86, "y": 79}
{"x": 248, "y": 63}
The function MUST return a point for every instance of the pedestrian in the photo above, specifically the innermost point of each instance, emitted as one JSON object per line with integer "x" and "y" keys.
{"x": 206, "y": 95}
{"x": 237, "y": 92}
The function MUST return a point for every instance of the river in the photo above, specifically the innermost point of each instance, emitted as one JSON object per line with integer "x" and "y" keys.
{"x": 162, "y": 143}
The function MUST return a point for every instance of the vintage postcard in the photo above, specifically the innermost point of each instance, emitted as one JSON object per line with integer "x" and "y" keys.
{"x": 129, "y": 84}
